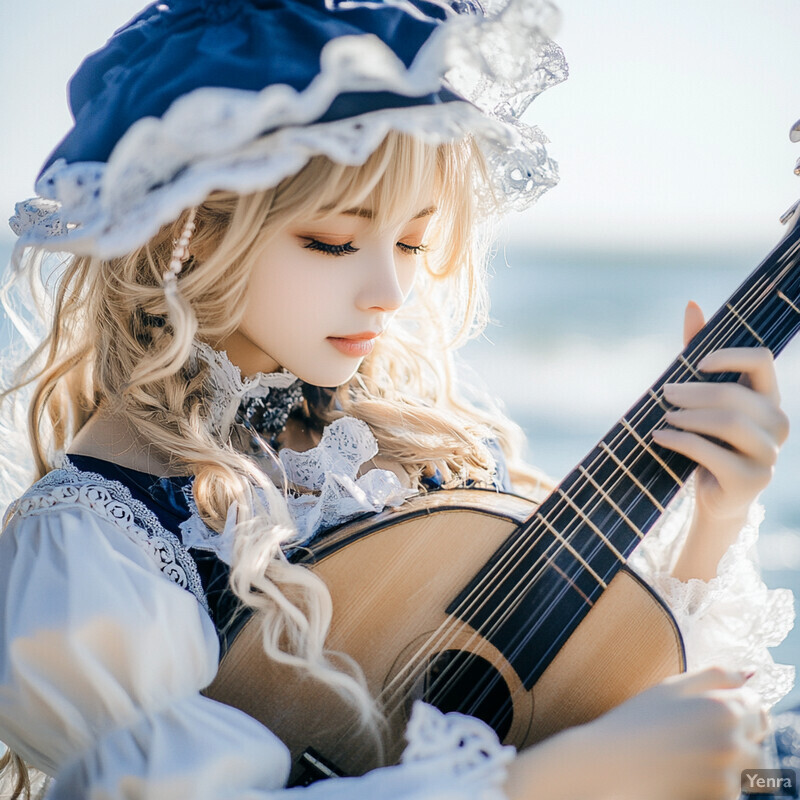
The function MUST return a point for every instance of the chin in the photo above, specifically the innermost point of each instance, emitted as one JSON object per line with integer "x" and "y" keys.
{"x": 326, "y": 378}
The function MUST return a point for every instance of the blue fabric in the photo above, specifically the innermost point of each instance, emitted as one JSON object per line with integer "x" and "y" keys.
{"x": 175, "y": 46}
{"x": 166, "y": 499}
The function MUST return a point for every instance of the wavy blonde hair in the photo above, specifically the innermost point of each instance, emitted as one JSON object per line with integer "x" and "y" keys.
{"x": 103, "y": 352}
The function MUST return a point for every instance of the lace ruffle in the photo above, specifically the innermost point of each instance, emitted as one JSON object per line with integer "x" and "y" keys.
{"x": 326, "y": 491}
{"x": 195, "y": 533}
{"x": 459, "y": 746}
{"x": 111, "y": 500}
{"x": 211, "y": 137}
{"x": 328, "y": 472}
{"x": 730, "y": 620}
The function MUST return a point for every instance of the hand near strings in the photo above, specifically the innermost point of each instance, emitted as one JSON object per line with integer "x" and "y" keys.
{"x": 688, "y": 738}
{"x": 734, "y": 432}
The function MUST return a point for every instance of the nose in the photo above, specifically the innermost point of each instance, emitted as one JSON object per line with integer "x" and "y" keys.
{"x": 386, "y": 283}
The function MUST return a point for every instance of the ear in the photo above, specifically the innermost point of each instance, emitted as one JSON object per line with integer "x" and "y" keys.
{"x": 693, "y": 321}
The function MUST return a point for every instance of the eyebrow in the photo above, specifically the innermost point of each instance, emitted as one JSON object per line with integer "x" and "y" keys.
{"x": 366, "y": 213}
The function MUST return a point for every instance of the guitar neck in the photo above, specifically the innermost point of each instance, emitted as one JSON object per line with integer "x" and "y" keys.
{"x": 584, "y": 531}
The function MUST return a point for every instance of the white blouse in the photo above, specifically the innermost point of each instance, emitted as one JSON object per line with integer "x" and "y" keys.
{"x": 105, "y": 645}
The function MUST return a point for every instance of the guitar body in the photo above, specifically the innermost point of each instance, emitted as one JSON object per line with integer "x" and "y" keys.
{"x": 524, "y": 616}
{"x": 391, "y": 577}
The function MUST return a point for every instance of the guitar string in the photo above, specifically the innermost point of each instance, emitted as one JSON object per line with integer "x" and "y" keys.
{"x": 772, "y": 325}
{"x": 647, "y": 412}
{"x": 530, "y": 578}
{"x": 643, "y": 410}
{"x": 560, "y": 548}
{"x": 511, "y": 657}
{"x": 505, "y": 709}
{"x": 443, "y": 631}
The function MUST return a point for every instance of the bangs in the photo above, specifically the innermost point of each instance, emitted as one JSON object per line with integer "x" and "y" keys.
{"x": 401, "y": 177}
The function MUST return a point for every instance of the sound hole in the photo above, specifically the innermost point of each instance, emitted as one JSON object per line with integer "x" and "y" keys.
{"x": 459, "y": 681}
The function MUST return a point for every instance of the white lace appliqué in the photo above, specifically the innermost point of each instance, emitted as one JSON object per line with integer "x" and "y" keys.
{"x": 212, "y": 137}
{"x": 328, "y": 471}
{"x": 458, "y": 745}
{"x": 195, "y": 533}
{"x": 327, "y": 490}
{"x": 111, "y": 500}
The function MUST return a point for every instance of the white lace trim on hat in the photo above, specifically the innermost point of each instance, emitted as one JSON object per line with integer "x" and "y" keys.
{"x": 211, "y": 137}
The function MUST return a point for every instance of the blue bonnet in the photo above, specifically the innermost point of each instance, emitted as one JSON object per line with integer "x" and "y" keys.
{"x": 195, "y": 95}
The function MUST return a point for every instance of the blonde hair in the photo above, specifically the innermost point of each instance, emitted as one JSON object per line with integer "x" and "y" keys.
{"x": 103, "y": 350}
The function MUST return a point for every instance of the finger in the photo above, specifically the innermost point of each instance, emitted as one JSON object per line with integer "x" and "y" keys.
{"x": 757, "y": 363}
{"x": 729, "y": 468}
{"x": 763, "y": 411}
{"x": 693, "y": 321}
{"x": 755, "y": 722}
{"x": 730, "y": 427}
{"x": 709, "y": 678}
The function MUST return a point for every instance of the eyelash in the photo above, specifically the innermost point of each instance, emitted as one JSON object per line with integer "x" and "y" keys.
{"x": 347, "y": 248}
{"x": 330, "y": 249}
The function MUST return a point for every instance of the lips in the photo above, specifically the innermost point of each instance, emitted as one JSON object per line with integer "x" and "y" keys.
{"x": 358, "y": 337}
{"x": 356, "y": 345}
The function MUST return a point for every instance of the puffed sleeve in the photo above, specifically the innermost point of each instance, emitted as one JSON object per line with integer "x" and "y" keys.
{"x": 730, "y": 620}
{"x": 102, "y": 659}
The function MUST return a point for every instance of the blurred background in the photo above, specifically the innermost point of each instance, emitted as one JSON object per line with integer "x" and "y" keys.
{"x": 672, "y": 136}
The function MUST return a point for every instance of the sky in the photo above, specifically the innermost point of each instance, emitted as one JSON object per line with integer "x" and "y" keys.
{"x": 671, "y": 132}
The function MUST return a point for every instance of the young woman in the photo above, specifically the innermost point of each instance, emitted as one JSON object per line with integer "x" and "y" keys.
{"x": 275, "y": 215}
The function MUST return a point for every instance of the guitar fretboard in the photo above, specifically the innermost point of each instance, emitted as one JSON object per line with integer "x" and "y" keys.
{"x": 536, "y": 589}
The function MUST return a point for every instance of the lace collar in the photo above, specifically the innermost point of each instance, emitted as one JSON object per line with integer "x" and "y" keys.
{"x": 264, "y": 400}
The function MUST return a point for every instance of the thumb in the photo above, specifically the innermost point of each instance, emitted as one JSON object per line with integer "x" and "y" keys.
{"x": 693, "y": 321}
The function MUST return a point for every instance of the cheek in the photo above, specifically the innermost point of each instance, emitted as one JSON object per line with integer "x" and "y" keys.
{"x": 271, "y": 297}
{"x": 288, "y": 292}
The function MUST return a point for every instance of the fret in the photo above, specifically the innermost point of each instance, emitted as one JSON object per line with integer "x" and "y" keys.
{"x": 630, "y": 474}
{"x": 607, "y": 497}
{"x": 691, "y": 369}
{"x": 659, "y": 400}
{"x": 594, "y": 527}
{"x": 744, "y": 322}
{"x": 588, "y": 600}
{"x": 786, "y": 299}
{"x": 578, "y": 556}
{"x": 651, "y": 452}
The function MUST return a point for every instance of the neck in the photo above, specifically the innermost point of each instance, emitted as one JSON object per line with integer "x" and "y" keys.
{"x": 246, "y": 355}
{"x": 110, "y": 436}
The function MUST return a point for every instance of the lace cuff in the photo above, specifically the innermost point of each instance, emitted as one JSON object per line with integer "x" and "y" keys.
{"x": 462, "y": 749}
{"x": 730, "y": 620}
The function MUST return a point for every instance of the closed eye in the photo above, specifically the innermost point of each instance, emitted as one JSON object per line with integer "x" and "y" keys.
{"x": 330, "y": 249}
{"x": 410, "y": 248}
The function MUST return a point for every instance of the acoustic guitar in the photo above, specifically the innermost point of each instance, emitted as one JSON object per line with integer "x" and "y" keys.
{"x": 525, "y": 616}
